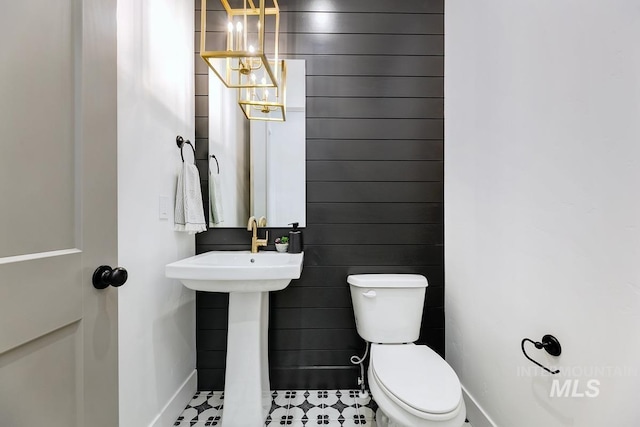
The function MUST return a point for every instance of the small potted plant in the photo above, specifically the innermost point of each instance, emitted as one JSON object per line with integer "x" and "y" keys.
{"x": 282, "y": 244}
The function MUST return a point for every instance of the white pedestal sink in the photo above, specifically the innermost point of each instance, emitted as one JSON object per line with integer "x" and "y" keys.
{"x": 247, "y": 278}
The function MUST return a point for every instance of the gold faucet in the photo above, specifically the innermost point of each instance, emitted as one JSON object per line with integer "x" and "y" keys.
{"x": 252, "y": 226}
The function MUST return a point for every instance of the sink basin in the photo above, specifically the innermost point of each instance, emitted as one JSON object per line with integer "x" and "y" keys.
{"x": 248, "y": 278}
{"x": 237, "y": 271}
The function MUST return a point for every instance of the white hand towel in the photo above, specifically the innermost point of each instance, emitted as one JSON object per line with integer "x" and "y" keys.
{"x": 189, "y": 212}
{"x": 216, "y": 213}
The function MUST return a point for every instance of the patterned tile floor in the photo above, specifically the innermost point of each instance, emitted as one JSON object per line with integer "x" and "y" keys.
{"x": 290, "y": 408}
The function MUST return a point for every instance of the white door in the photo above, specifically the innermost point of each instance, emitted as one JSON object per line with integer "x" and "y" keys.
{"x": 58, "y": 335}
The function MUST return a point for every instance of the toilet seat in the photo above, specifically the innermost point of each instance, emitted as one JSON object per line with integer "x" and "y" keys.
{"x": 417, "y": 379}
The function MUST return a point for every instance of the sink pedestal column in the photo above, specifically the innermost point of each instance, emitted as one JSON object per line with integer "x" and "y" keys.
{"x": 247, "y": 395}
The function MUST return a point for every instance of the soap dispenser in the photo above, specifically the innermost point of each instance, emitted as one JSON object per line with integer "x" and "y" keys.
{"x": 295, "y": 239}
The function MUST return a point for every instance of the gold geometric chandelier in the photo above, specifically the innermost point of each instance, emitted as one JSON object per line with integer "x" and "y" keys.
{"x": 243, "y": 63}
{"x": 263, "y": 103}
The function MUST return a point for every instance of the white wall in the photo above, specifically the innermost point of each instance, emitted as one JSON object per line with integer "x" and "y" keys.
{"x": 542, "y": 204}
{"x": 156, "y": 315}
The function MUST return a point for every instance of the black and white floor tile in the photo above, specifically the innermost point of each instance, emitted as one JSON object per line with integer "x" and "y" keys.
{"x": 290, "y": 408}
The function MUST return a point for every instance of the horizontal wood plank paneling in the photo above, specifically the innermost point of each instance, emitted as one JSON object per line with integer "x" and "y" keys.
{"x": 433, "y": 317}
{"x": 322, "y": 377}
{"x": 360, "y": 6}
{"x": 362, "y": 65}
{"x": 202, "y": 128}
{"x": 202, "y": 85}
{"x": 210, "y": 378}
{"x": 366, "y": 192}
{"x": 202, "y": 106}
{"x": 292, "y": 44}
{"x": 211, "y": 359}
{"x": 375, "y": 174}
{"x": 392, "y": 149}
{"x": 374, "y": 65}
{"x": 211, "y": 339}
{"x": 212, "y": 300}
{"x": 374, "y": 213}
{"x": 367, "y": 108}
{"x": 312, "y": 297}
{"x": 374, "y": 171}
{"x": 375, "y": 87}
{"x": 200, "y": 67}
{"x": 365, "y": 6}
{"x": 315, "y": 339}
{"x": 212, "y": 318}
{"x": 352, "y": 23}
{"x": 433, "y": 337}
{"x": 373, "y": 255}
{"x": 340, "y": 23}
{"x": 374, "y": 128}
{"x": 435, "y": 296}
{"x": 295, "y": 358}
{"x": 202, "y": 148}
{"x": 378, "y": 234}
{"x": 312, "y": 318}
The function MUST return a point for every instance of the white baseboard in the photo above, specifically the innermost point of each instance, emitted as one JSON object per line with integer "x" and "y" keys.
{"x": 476, "y": 416}
{"x": 174, "y": 407}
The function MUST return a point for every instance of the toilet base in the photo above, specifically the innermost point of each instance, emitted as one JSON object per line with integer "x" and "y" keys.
{"x": 383, "y": 421}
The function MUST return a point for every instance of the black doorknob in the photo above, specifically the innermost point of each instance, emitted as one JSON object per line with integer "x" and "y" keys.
{"x": 105, "y": 276}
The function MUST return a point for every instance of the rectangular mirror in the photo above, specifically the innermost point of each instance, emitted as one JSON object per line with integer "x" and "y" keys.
{"x": 260, "y": 168}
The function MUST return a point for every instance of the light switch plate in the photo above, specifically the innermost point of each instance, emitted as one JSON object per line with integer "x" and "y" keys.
{"x": 163, "y": 207}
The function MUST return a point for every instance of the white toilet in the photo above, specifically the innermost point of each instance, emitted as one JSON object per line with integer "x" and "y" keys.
{"x": 412, "y": 385}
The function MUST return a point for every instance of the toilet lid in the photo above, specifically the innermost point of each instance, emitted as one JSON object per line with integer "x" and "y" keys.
{"x": 417, "y": 376}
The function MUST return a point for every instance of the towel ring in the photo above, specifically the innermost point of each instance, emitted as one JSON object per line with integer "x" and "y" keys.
{"x": 213, "y": 156}
{"x": 550, "y": 344}
{"x": 180, "y": 143}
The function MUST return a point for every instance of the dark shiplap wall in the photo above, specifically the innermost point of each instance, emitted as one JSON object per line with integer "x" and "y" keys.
{"x": 374, "y": 181}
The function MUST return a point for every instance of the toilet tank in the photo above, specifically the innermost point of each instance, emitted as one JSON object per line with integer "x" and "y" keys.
{"x": 388, "y": 307}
